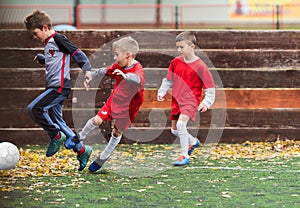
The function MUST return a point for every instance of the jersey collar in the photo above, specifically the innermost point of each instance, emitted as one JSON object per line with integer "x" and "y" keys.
{"x": 46, "y": 41}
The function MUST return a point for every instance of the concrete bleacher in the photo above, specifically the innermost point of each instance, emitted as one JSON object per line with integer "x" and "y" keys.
{"x": 256, "y": 73}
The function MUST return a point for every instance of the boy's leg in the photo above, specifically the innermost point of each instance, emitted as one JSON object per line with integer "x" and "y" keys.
{"x": 121, "y": 125}
{"x": 181, "y": 126}
{"x": 56, "y": 115}
{"x": 72, "y": 142}
{"x": 174, "y": 130}
{"x": 90, "y": 125}
{"x": 193, "y": 142}
{"x": 83, "y": 154}
{"x": 73, "y": 138}
{"x": 84, "y": 151}
{"x": 113, "y": 142}
{"x": 38, "y": 110}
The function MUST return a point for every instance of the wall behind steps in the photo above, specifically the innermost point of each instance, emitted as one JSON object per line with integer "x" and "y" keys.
{"x": 256, "y": 73}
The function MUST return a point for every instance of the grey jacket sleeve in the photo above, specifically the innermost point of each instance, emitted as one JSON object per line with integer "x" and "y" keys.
{"x": 209, "y": 98}
{"x": 133, "y": 78}
{"x": 164, "y": 87}
{"x": 98, "y": 72}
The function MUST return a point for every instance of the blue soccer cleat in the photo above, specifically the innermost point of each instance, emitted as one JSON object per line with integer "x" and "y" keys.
{"x": 182, "y": 161}
{"x": 96, "y": 165}
{"x": 70, "y": 144}
{"x": 55, "y": 145}
{"x": 192, "y": 147}
{"x": 72, "y": 141}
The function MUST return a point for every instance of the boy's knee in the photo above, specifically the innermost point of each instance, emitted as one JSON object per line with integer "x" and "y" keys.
{"x": 33, "y": 110}
{"x": 181, "y": 126}
{"x": 97, "y": 121}
{"x": 29, "y": 108}
{"x": 116, "y": 132}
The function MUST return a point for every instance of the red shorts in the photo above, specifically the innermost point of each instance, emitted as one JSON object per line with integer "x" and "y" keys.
{"x": 188, "y": 109}
{"x": 120, "y": 123}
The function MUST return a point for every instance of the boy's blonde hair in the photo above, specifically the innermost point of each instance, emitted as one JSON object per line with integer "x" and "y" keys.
{"x": 37, "y": 19}
{"x": 186, "y": 36}
{"x": 127, "y": 44}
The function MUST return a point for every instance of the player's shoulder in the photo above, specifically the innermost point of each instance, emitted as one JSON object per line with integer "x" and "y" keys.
{"x": 201, "y": 63}
{"x": 178, "y": 58}
{"x": 137, "y": 64}
{"x": 58, "y": 37}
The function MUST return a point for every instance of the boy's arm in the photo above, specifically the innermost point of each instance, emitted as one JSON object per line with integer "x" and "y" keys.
{"x": 129, "y": 77}
{"x": 133, "y": 78}
{"x": 98, "y": 72}
{"x": 90, "y": 75}
{"x": 164, "y": 87}
{"x": 82, "y": 60}
{"x": 40, "y": 58}
{"x": 68, "y": 47}
{"x": 209, "y": 99}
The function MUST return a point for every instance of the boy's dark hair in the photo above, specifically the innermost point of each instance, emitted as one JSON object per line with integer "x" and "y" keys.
{"x": 37, "y": 19}
{"x": 187, "y": 36}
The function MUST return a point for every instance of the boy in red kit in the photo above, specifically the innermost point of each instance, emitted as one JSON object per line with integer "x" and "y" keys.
{"x": 188, "y": 76}
{"x": 125, "y": 100}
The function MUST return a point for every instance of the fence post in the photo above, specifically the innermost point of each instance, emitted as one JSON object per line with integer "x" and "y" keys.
{"x": 277, "y": 17}
{"x": 76, "y": 3}
{"x": 176, "y": 16}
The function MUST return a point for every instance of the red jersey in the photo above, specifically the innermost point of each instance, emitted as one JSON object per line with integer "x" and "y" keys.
{"x": 127, "y": 97}
{"x": 188, "y": 81}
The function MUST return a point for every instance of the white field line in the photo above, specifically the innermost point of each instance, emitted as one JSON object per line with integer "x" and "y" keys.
{"x": 243, "y": 169}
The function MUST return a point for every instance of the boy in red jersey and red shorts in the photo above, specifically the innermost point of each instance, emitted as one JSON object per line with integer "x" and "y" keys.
{"x": 188, "y": 76}
{"x": 126, "y": 99}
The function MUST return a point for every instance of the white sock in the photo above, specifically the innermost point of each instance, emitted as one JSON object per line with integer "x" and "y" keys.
{"x": 89, "y": 126}
{"x": 174, "y": 132}
{"x": 192, "y": 140}
{"x": 183, "y": 137}
{"x": 113, "y": 142}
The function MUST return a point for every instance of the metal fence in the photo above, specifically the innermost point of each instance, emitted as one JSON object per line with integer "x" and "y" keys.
{"x": 12, "y": 16}
{"x": 167, "y": 16}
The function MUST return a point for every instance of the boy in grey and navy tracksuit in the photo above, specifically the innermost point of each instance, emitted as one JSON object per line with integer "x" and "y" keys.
{"x": 46, "y": 109}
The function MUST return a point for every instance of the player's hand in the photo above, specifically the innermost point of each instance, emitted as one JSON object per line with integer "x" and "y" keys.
{"x": 119, "y": 73}
{"x": 160, "y": 98}
{"x": 202, "y": 108}
{"x": 39, "y": 58}
{"x": 88, "y": 78}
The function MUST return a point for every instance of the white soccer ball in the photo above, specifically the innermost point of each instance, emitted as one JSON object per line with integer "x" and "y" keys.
{"x": 74, "y": 100}
{"x": 9, "y": 156}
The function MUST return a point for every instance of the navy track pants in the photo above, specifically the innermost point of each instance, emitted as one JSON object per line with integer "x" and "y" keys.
{"x": 46, "y": 111}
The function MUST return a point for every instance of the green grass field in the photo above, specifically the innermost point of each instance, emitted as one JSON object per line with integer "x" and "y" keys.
{"x": 223, "y": 175}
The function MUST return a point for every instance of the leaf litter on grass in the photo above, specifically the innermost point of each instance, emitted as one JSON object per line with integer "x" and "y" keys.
{"x": 133, "y": 160}
{"x": 257, "y": 150}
